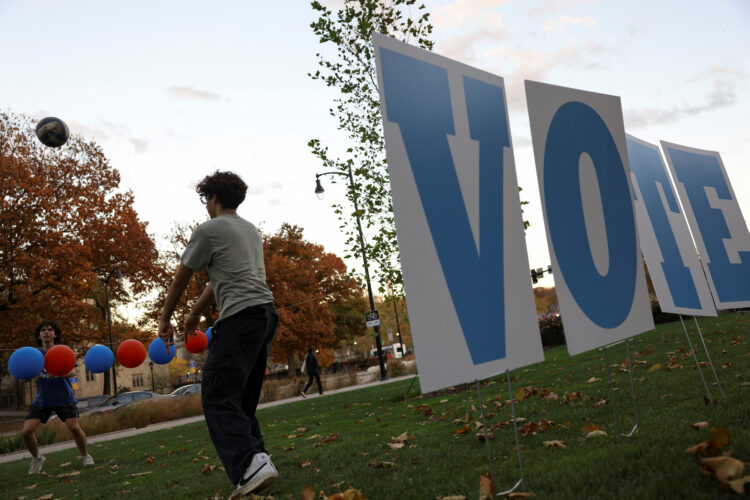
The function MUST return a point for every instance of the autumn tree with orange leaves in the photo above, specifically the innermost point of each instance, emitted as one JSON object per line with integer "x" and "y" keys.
{"x": 306, "y": 283}
{"x": 169, "y": 259}
{"x": 64, "y": 226}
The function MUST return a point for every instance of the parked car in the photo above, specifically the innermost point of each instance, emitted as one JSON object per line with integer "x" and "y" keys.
{"x": 89, "y": 402}
{"x": 123, "y": 399}
{"x": 185, "y": 390}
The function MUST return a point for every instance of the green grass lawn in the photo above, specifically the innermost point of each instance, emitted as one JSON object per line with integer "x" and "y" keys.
{"x": 341, "y": 441}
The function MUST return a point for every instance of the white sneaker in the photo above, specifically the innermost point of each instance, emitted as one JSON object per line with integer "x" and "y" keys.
{"x": 260, "y": 474}
{"x": 36, "y": 464}
{"x": 303, "y": 394}
{"x": 87, "y": 460}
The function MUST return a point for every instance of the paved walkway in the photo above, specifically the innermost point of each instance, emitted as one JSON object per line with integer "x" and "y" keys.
{"x": 51, "y": 448}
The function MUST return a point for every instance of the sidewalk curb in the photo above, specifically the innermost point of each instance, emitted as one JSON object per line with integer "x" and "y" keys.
{"x": 65, "y": 445}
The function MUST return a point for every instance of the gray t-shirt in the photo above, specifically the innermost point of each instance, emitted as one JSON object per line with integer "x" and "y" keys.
{"x": 231, "y": 249}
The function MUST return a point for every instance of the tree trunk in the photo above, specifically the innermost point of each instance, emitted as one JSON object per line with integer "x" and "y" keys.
{"x": 292, "y": 366}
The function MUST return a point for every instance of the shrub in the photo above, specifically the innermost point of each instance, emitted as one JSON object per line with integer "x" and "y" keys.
{"x": 396, "y": 368}
{"x": 11, "y": 443}
{"x": 551, "y": 329}
{"x": 660, "y": 316}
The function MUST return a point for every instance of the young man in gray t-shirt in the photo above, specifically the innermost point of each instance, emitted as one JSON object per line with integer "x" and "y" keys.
{"x": 231, "y": 250}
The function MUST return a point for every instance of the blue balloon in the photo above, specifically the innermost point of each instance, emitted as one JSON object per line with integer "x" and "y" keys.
{"x": 158, "y": 354}
{"x": 26, "y": 363}
{"x": 209, "y": 333}
{"x": 99, "y": 358}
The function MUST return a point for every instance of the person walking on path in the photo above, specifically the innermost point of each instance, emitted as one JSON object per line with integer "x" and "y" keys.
{"x": 231, "y": 249}
{"x": 312, "y": 369}
{"x": 53, "y": 394}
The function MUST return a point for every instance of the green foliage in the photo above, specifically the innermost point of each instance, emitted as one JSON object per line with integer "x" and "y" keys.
{"x": 552, "y": 331}
{"x": 351, "y": 70}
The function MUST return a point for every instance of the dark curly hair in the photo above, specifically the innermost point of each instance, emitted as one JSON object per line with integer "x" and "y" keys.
{"x": 227, "y": 186}
{"x": 55, "y": 327}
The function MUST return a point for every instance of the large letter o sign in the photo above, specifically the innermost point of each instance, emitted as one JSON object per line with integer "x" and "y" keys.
{"x": 577, "y": 129}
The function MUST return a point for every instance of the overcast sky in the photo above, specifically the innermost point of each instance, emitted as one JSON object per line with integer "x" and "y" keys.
{"x": 173, "y": 90}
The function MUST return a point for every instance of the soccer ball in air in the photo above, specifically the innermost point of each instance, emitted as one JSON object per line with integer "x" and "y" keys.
{"x": 52, "y": 132}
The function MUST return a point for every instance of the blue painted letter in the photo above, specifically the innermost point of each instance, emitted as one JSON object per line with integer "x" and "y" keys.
{"x": 417, "y": 97}
{"x": 648, "y": 168}
{"x": 697, "y": 172}
{"x": 576, "y": 129}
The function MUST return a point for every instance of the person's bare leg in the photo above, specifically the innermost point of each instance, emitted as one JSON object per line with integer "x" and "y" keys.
{"x": 78, "y": 435}
{"x": 29, "y": 428}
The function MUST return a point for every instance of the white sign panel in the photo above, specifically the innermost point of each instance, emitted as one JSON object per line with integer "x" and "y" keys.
{"x": 584, "y": 181}
{"x": 716, "y": 221}
{"x": 372, "y": 318}
{"x": 458, "y": 216}
{"x": 670, "y": 253}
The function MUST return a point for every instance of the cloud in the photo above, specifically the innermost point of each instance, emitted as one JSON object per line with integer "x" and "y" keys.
{"x": 462, "y": 48}
{"x": 467, "y": 12}
{"x": 141, "y": 145}
{"x": 548, "y": 7}
{"x": 720, "y": 96}
{"x": 563, "y": 21}
{"x": 102, "y": 130}
{"x": 519, "y": 64}
{"x": 267, "y": 188}
{"x": 191, "y": 93}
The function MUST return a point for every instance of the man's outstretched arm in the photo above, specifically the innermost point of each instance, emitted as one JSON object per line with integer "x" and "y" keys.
{"x": 193, "y": 318}
{"x": 179, "y": 283}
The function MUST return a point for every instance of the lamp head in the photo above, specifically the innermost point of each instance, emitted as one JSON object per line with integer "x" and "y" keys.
{"x": 118, "y": 273}
{"x": 319, "y": 191}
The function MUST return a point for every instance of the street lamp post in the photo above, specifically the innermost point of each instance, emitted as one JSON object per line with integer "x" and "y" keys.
{"x": 319, "y": 192}
{"x": 115, "y": 271}
{"x": 398, "y": 325}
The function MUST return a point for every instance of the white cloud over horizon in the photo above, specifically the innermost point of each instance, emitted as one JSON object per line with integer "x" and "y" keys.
{"x": 191, "y": 93}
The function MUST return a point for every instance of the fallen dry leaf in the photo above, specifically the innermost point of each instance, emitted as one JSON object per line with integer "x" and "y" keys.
{"x": 520, "y": 494}
{"x": 45, "y": 497}
{"x": 592, "y": 380}
{"x": 395, "y": 446}
{"x": 589, "y": 428}
{"x": 554, "y": 444}
{"x": 305, "y": 463}
{"x": 725, "y": 468}
{"x": 463, "y": 430}
{"x": 738, "y": 485}
{"x": 31, "y": 487}
{"x": 654, "y": 367}
{"x": 68, "y": 474}
{"x": 700, "y": 425}
{"x": 719, "y": 437}
{"x": 453, "y": 497}
{"x": 401, "y": 438}
{"x": 139, "y": 474}
{"x": 380, "y": 465}
{"x": 207, "y": 469}
{"x": 481, "y": 437}
{"x": 308, "y": 493}
{"x": 350, "y": 494}
{"x": 595, "y": 434}
{"x": 486, "y": 488}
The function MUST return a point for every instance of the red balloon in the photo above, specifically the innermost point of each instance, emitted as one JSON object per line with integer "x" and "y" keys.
{"x": 60, "y": 360}
{"x": 131, "y": 353}
{"x": 197, "y": 342}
